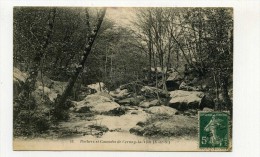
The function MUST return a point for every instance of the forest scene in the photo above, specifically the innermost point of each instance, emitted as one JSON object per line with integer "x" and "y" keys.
{"x": 110, "y": 72}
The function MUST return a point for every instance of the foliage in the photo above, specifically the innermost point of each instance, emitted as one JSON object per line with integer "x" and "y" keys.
{"x": 198, "y": 41}
{"x": 29, "y": 119}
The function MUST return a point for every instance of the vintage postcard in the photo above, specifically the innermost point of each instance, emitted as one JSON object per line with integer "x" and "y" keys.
{"x": 123, "y": 79}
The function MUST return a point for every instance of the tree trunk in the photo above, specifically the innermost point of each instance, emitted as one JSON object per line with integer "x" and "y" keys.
{"x": 150, "y": 47}
{"x": 217, "y": 91}
{"x": 41, "y": 70}
{"x": 106, "y": 64}
{"x": 224, "y": 89}
{"x": 60, "y": 102}
{"x": 100, "y": 88}
{"x": 150, "y": 57}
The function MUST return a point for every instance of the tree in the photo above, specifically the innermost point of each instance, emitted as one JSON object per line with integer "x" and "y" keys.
{"x": 155, "y": 25}
{"x": 30, "y": 81}
{"x": 220, "y": 44}
{"x": 25, "y": 107}
{"x": 198, "y": 37}
{"x": 60, "y": 102}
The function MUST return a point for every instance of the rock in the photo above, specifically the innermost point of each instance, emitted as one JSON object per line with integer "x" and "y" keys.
{"x": 48, "y": 93}
{"x": 51, "y": 88}
{"x": 104, "y": 107}
{"x": 136, "y": 107}
{"x": 193, "y": 111}
{"x": 96, "y": 88}
{"x": 186, "y": 113}
{"x": 230, "y": 93}
{"x": 137, "y": 130}
{"x": 145, "y": 104}
{"x": 56, "y": 86}
{"x": 81, "y": 96}
{"x": 170, "y": 126}
{"x": 204, "y": 87}
{"x": 145, "y": 109}
{"x": 130, "y": 108}
{"x": 194, "y": 81}
{"x": 119, "y": 94}
{"x": 116, "y": 112}
{"x": 105, "y": 94}
{"x": 179, "y": 112}
{"x": 151, "y": 92}
{"x": 207, "y": 101}
{"x": 154, "y": 103}
{"x": 101, "y": 128}
{"x": 131, "y": 101}
{"x": 207, "y": 109}
{"x": 16, "y": 89}
{"x": 140, "y": 97}
{"x": 18, "y": 79}
{"x": 99, "y": 107}
{"x": 74, "y": 103}
{"x": 186, "y": 87}
{"x": 162, "y": 110}
{"x": 42, "y": 79}
{"x": 116, "y": 130}
{"x": 173, "y": 81}
{"x": 125, "y": 101}
{"x": 97, "y": 98}
{"x": 83, "y": 109}
{"x": 46, "y": 89}
{"x": 141, "y": 124}
{"x": 18, "y": 75}
{"x": 96, "y": 103}
{"x": 134, "y": 112}
{"x": 183, "y": 100}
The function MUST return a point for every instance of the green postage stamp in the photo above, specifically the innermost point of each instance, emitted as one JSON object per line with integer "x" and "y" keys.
{"x": 214, "y": 130}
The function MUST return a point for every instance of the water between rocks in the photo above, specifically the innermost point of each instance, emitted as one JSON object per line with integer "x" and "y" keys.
{"x": 118, "y": 126}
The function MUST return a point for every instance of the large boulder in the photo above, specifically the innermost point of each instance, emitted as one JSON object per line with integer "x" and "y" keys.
{"x": 151, "y": 92}
{"x": 147, "y": 104}
{"x": 18, "y": 79}
{"x": 129, "y": 101}
{"x": 45, "y": 87}
{"x": 96, "y": 88}
{"x": 206, "y": 109}
{"x": 137, "y": 130}
{"x": 185, "y": 86}
{"x": 183, "y": 100}
{"x": 104, "y": 107}
{"x": 96, "y": 103}
{"x": 117, "y": 111}
{"x": 173, "y": 81}
{"x": 40, "y": 90}
{"x": 162, "y": 110}
{"x": 119, "y": 94}
{"x": 154, "y": 103}
{"x": 18, "y": 75}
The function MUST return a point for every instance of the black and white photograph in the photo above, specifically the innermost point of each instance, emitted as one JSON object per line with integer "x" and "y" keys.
{"x": 122, "y": 78}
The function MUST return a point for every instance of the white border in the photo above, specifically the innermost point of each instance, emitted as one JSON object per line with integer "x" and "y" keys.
{"x": 246, "y": 129}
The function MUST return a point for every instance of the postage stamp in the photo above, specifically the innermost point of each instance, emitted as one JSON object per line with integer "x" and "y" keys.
{"x": 214, "y": 130}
